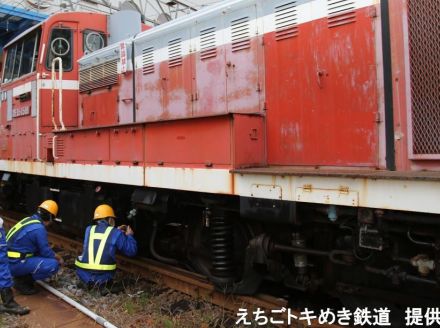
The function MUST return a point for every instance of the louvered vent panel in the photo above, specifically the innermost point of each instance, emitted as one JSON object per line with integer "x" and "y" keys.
{"x": 148, "y": 61}
{"x": 59, "y": 143}
{"x": 240, "y": 34}
{"x": 286, "y": 21}
{"x": 175, "y": 52}
{"x": 208, "y": 46}
{"x": 424, "y": 56}
{"x": 101, "y": 75}
{"x": 340, "y": 12}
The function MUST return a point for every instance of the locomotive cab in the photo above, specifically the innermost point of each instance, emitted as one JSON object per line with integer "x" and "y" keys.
{"x": 40, "y": 84}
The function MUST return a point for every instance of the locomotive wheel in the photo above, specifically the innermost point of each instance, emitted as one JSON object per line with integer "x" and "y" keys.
{"x": 200, "y": 253}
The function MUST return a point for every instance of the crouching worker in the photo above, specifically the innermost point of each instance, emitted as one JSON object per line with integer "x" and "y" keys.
{"x": 96, "y": 265}
{"x": 30, "y": 256}
{"x": 9, "y": 305}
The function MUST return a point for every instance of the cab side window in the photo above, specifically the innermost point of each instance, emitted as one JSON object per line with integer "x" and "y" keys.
{"x": 21, "y": 57}
{"x": 30, "y": 54}
{"x": 60, "y": 45}
{"x": 9, "y": 66}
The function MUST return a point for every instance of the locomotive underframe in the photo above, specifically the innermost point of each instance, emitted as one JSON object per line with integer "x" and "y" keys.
{"x": 240, "y": 243}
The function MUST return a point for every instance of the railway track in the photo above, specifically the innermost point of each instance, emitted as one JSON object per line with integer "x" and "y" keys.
{"x": 189, "y": 283}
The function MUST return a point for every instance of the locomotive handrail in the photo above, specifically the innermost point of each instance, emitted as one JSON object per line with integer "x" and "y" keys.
{"x": 37, "y": 120}
{"x": 60, "y": 92}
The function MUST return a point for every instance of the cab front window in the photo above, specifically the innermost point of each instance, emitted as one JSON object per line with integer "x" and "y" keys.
{"x": 60, "y": 45}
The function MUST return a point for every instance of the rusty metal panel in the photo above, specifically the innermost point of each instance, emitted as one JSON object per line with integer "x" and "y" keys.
{"x": 125, "y": 98}
{"x": 5, "y": 144}
{"x": 23, "y": 140}
{"x": 249, "y": 140}
{"x": 149, "y": 104}
{"x": 196, "y": 142}
{"x": 87, "y": 146}
{"x": 342, "y": 196}
{"x": 242, "y": 61}
{"x": 209, "y": 67}
{"x": 176, "y": 75}
{"x": 70, "y": 108}
{"x": 126, "y": 145}
{"x": 100, "y": 108}
{"x": 5, "y": 140}
{"x": 266, "y": 191}
{"x": 321, "y": 91}
{"x": 45, "y": 100}
{"x": 424, "y": 57}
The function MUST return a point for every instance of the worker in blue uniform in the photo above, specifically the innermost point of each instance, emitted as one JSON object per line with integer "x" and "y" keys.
{"x": 30, "y": 256}
{"x": 97, "y": 264}
{"x": 9, "y": 305}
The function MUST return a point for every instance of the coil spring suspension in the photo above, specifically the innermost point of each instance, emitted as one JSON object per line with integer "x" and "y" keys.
{"x": 222, "y": 246}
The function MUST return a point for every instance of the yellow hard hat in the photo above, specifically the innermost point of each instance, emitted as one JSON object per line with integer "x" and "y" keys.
{"x": 103, "y": 211}
{"x": 50, "y": 206}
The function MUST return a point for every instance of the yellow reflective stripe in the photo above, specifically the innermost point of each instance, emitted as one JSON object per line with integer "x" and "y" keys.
{"x": 17, "y": 255}
{"x": 97, "y": 236}
{"x": 94, "y": 262}
{"x": 102, "y": 244}
{"x": 14, "y": 228}
{"x": 106, "y": 267}
{"x": 91, "y": 244}
{"x": 18, "y": 226}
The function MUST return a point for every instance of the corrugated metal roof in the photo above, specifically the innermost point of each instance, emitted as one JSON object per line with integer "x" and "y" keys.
{"x": 14, "y": 20}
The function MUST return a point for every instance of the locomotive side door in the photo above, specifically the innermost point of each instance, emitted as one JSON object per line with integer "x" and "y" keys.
{"x": 176, "y": 74}
{"x": 209, "y": 74}
{"x": 149, "y": 90}
{"x": 243, "y": 83}
{"x": 346, "y": 86}
{"x": 321, "y": 83}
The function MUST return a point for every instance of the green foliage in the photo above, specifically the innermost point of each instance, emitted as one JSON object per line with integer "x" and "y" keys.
{"x": 167, "y": 323}
{"x": 129, "y": 306}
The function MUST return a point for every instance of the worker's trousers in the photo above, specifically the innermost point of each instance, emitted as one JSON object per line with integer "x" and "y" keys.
{"x": 39, "y": 267}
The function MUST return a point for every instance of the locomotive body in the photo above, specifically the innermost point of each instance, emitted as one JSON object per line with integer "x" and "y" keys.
{"x": 293, "y": 141}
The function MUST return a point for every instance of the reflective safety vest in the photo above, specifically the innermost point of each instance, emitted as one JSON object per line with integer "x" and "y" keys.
{"x": 94, "y": 263}
{"x": 16, "y": 228}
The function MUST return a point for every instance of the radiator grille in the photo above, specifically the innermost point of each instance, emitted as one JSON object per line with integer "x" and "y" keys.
{"x": 286, "y": 21}
{"x": 240, "y": 34}
{"x": 148, "y": 60}
{"x": 424, "y": 50}
{"x": 59, "y": 144}
{"x": 207, "y": 43}
{"x": 98, "y": 76}
{"x": 340, "y": 12}
{"x": 175, "y": 52}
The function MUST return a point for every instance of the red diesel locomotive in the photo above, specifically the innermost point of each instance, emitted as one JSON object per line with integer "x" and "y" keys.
{"x": 295, "y": 141}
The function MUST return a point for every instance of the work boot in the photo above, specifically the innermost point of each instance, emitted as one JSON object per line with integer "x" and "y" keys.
{"x": 25, "y": 285}
{"x": 9, "y": 305}
{"x": 110, "y": 287}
